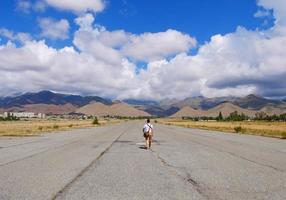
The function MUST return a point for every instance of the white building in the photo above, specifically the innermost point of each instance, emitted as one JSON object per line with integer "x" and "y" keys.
{"x": 41, "y": 115}
{"x": 22, "y": 114}
{"x": 6, "y": 114}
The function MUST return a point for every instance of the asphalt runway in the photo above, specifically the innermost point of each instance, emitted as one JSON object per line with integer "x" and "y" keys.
{"x": 110, "y": 162}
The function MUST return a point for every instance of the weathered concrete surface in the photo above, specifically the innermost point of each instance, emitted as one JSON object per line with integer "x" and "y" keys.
{"x": 110, "y": 163}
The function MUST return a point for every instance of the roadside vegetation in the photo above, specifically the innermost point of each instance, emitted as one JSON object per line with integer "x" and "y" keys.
{"x": 275, "y": 129}
{"x": 34, "y": 127}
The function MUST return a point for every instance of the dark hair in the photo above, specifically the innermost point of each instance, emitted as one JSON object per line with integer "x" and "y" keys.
{"x": 148, "y": 120}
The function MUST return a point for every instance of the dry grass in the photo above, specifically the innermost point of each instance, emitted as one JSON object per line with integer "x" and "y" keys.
{"x": 270, "y": 129}
{"x": 36, "y": 127}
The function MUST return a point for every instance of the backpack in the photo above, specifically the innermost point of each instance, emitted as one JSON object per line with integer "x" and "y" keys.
{"x": 146, "y": 134}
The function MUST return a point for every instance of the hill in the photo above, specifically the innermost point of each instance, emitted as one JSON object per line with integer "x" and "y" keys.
{"x": 270, "y": 110}
{"x": 43, "y": 108}
{"x": 227, "y": 108}
{"x": 117, "y": 109}
{"x": 224, "y": 108}
{"x": 188, "y": 112}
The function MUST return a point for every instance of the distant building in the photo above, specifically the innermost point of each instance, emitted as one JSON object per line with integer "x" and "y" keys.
{"x": 22, "y": 114}
{"x": 6, "y": 114}
{"x": 41, "y": 115}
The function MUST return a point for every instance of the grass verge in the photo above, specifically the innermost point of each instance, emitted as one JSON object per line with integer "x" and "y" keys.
{"x": 261, "y": 128}
{"x": 36, "y": 127}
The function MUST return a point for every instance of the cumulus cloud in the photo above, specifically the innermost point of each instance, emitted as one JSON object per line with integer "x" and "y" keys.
{"x": 156, "y": 46}
{"x": 278, "y": 7}
{"x": 144, "y": 47}
{"x": 10, "y": 35}
{"x": 24, "y": 6}
{"x": 78, "y": 6}
{"x": 27, "y": 6}
{"x": 36, "y": 66}
{"x": 54, "y": 29}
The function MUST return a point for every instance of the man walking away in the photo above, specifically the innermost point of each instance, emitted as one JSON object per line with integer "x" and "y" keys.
{"x": 148, "y": 133}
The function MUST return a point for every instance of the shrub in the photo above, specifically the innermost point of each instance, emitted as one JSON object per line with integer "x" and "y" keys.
{"x": 238, "y": 129}
{"x": 95, "y": 121}
{"x": 283, "y": 135}
{"x": 156, "y": 121}
{"x": 40, "y": 128}
{"x": 70, "y": 126}
{"x": 55, "y": 126}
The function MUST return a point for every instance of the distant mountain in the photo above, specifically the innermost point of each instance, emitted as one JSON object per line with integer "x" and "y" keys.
{"x": 166, "y": 103}
{"x": 48, "y": 97}
{"x": 255, "y": 102}
{"x": 117, "y": 109}
{"x": 139, "y": 102}
{"x": 65, "y": 103}
{"x": 194, "y": 102}
{"x": 156, "y": 110}
{"x": 249, "y": 102}
{"x": 201, "y": 102}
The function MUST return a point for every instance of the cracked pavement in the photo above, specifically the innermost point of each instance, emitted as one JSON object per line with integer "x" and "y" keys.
{"x": 110, "y": 163}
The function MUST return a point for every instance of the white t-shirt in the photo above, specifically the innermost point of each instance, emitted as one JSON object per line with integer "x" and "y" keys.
{"x": 147, "y": 127}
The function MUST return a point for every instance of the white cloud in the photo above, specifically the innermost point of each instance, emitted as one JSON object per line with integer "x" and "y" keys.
{"x": 54, "y": 29}
{"x": 145, "y": 47}
{"x": 24, "y": 6}
{"x": 39, "y": 6}
{"x": 78, "y": 6}
{"x": 36, "y": 66}
{"x": 155, "y": 46}
{"x": 279, "y": 9}
{"x": 262, "y": 13}
{"x": 20, "y": 37}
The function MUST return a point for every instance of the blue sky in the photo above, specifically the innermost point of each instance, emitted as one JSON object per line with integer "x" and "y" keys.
{"x": 144, "y": 49}
{"x": 201, "y": 19}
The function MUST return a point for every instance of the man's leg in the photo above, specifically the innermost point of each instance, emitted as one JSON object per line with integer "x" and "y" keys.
{"x": 146, "y": 142}
{"x": 150, "y": 140}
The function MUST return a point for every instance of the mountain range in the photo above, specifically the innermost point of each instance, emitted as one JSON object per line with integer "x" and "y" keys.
{"x": 57, "y": 103}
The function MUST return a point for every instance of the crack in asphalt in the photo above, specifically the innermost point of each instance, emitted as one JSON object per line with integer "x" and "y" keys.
{"x": 81, "y": 173}
{"x": 188, "y": 178}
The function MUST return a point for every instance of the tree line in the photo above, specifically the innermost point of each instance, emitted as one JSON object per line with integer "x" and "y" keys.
{"x": 235, "y": 116}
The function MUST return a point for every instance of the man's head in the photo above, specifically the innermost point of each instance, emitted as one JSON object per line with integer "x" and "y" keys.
{"x": 148, "y": 120}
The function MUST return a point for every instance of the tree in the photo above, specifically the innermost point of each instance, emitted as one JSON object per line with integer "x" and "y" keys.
{"x": 219, "y": 117}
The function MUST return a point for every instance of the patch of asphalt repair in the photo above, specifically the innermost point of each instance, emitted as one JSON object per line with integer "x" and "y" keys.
{"x": 67, "y": 186}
